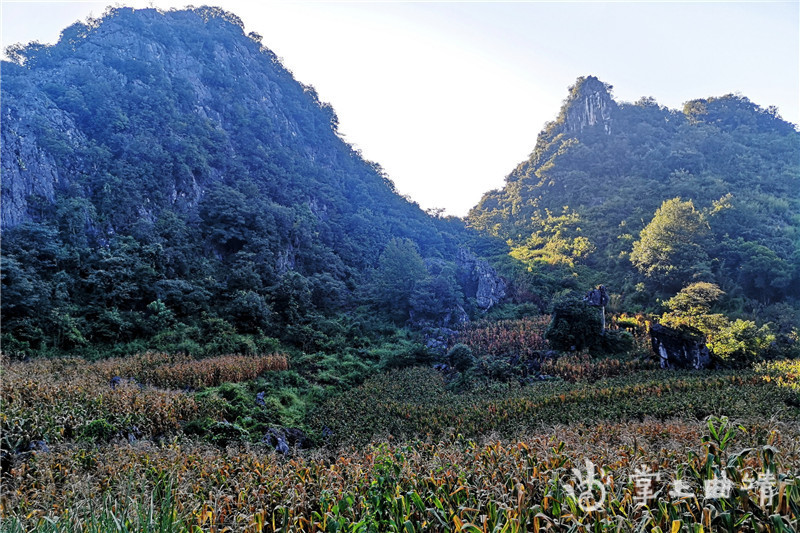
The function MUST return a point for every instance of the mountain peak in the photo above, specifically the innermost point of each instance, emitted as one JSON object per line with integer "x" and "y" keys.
{"x": 589, "y": 104}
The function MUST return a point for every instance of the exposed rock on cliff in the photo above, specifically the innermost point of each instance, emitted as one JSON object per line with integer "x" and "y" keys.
{"x": 34, "y": 131}
{"x": 480, "y": 280}
{"x": 589, "y": 105}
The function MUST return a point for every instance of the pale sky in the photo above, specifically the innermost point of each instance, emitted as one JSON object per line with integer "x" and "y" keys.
{"x": 449, "y": 96}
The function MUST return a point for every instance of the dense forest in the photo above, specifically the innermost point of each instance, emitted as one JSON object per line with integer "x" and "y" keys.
{"x": 218, "y": 316}
{"x": 168, "y": 183}
{"x": 651, "y": 201}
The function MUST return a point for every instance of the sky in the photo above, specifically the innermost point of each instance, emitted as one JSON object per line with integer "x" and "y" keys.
{"x": 448, "y": 97}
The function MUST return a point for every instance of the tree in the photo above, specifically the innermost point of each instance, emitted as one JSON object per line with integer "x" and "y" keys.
{"x": 695, "y": 299}
{"x": 575, "y": 325}
{"x": 741, "y": 342}
{"x": 400, "y": 269}
{"x": 671, "y": 248}
{"x": 436, "y": 296}
{"x": 738, "y": 342}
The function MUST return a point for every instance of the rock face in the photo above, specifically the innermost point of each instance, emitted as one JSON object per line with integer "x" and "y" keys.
{"x": 479, "y": 280}
{"x": 282, "y": 439}
{"x": 54, "y": 117}
{"x": 590, "y": 105}
{"x": 679, "y": 348}
{"x": 30, "y": 173}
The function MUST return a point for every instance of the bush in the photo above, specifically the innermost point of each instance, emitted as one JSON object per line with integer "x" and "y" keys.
{"x": 98, "y": 431}
{"x": 401, "y": 354}
{"x": 575, "y": 325}
{"x": 499, "y": 369}
{"x": 741, "y": 342}
{"x": 616, "y": 342}
{"x": 460, "y": 357}
{"x": 224, "y": 433}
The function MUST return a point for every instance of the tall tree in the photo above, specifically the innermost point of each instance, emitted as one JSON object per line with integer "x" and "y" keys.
{"x": 671, "y": 248}
{"x": 400, "y": 270}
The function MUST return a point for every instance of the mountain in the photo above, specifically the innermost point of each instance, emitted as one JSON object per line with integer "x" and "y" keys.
{"x": 165, "y": 175}
{"x": 647, "y": 200}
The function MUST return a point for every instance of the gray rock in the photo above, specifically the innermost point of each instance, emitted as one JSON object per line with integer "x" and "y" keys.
{"x": 590, "y": 105}
{"x": 684, "y": 348}
{"x": 38, "y": 446}
{"x": 260, "y": 399}
{"x": 279, "y": 438}
{"x": 480, "y": 280}
{"x": 282, "y": 447}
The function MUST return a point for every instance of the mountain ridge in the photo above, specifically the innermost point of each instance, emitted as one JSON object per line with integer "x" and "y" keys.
{"x": 599, "y": 172}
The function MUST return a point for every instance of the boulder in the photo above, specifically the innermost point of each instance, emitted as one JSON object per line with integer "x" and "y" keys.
{"x": 680, "y": 348}
{"x": 284, "y": 438}
{"x": 438, "y": 340}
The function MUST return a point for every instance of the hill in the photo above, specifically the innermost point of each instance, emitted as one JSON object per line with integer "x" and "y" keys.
{"x": 165, "y": 175}
{"x": 648, "y": 200}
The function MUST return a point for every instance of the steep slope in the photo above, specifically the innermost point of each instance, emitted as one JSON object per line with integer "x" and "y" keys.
{"x": 600, "y": 171}
{"x": 163, "y": 169}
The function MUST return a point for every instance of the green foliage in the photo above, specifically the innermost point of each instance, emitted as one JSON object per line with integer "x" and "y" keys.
{"x": 400, "y": 269}
{"x": 738, "y": 342}
{"x": 400, "y": 354}
{"x": 671, "y": 248}
{"x": 741, "y": 342}
{"x": 557, "y": 239}
{"x": 98, "y": 431}
{"x": 733, "y": 165}
{"x": 461, "y": 358}
{"x": 252, "y": 219}
{"x": 616, "y": 342}
{"x": 695, "y": 299}
{"x": 574, "y": 325}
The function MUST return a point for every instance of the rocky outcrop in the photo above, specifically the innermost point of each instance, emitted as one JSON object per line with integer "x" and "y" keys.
{"x": 590, "y": 105}
{"x": 30, "y": 173}
{"x": 439, "y": 340}
{"x": 679, "y": 348}
{"x": 285, "y": 439}
{"x": 47, "y": 114}
{"x": 479, "y": 280}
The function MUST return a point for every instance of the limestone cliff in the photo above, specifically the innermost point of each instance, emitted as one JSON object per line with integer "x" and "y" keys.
{"x": 146, "y": 93}
{"x": 31, "y": 175}
{"x": 589, "y": 105}
{"x": 479, "y": 280}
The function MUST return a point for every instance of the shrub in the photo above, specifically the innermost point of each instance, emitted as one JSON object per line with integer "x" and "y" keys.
{"x": 401, "y": 354}
{"x": 575, "y": 325}
{"x": 98, "y": 431}
{"x": 224, "y": 433}
{"x": 740, "y": 342}
{"x": 460, "y": 357}
{"x": 616, "y": 342}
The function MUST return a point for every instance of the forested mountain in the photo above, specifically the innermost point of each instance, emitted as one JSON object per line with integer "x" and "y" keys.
{"x": 649, "y": 200}
{"x": 167, "y": 182}
{"x": 165, "y": 176}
